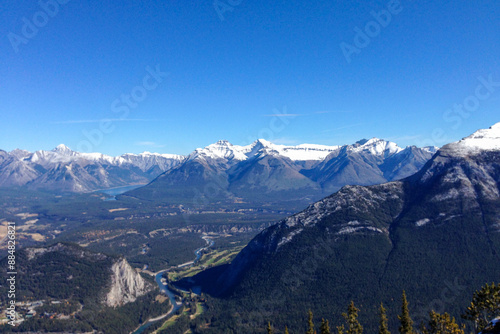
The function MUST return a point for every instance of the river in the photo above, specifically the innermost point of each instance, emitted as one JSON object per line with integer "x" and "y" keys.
{"x": 169, "y": 293}
{"x": 170, "y": 296}
{"x": 197, "y": 252}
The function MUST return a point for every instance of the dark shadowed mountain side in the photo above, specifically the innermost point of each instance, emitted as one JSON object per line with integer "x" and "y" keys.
{"x": 264, "y": 172}
{"x": 405, "y": 163}
{"x": 368, "y": 162}
{"x": 269, "y": 175}
{"x": 435, "y": 234}
{"x": 191, "y": 183}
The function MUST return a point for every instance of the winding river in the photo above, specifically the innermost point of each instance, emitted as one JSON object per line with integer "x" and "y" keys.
{"x": 170, "y": 294}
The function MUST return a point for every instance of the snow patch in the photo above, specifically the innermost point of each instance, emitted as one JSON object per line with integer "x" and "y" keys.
{"x": 353, "y": 223}
{"x": 350, "y": 229}
{"x": 422, "y": 222}
{"x": 289, "y": 237}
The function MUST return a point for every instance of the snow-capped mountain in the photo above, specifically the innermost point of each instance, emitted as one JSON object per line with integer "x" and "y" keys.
{"x": 303, "y": 152}
{"x": 225, "y": 150}
{"x": 266, "y": 171}
{"x": 220, "y": 150}
{"x": 14, "y": 170}
{"x": 62, "y": 169}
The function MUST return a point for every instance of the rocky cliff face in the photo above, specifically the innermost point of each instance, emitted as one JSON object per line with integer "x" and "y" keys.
{"x": 127, "y": 285}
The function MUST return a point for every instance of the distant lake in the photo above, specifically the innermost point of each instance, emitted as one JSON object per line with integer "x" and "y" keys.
{"x": 118, "y": 190}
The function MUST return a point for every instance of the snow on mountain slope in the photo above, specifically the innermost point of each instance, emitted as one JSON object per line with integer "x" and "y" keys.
{"x": 481, "y": 140}
{"x": 303, "y": 152}
{"x": 220, "y": 150}
{"x": 376, "y": 147}
{"x": 63, "y": 149}
{"x": 147, "y": 161}
{"x": 63, "y": 154}
{"x": 225, "y": 150}
{"x": 430, "y": 149}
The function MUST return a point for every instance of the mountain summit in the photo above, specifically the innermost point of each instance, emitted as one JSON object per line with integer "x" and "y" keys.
{"x": 62, "y": 149}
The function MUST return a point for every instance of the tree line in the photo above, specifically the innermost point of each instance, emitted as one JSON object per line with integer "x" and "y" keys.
{"x": 485, "y": 306}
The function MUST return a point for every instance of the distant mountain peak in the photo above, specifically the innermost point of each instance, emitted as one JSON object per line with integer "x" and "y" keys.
{"x": 264, "y": 142}
{"x": 378, "y": 146}
{"x": 374, "y": 140}
{"x": 222, "y": 149}
{"x": 61, "y": 148}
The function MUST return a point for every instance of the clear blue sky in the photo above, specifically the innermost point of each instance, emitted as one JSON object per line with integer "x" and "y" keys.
{"x": 226, "y": 78}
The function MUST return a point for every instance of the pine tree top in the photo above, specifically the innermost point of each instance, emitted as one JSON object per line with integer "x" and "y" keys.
{"x": 406, "y": 326}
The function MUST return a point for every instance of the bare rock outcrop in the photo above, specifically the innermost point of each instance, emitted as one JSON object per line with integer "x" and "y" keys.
{"x": 127, "y": 284}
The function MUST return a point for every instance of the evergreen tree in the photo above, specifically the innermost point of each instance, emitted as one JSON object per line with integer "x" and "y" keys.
{"x": 383, "y": 327}
{"x": 442, "y": 324}
{"x": 405, "y": 319}
{"x": 351, "y": 318}
{"x": 286, "y": 330}
{"x": 269, "y": 328}
{"x": 325, "y": 328}
{"x": 340, "y": 329}
{"x": 310, "y": 324}
{"x": 485, "y": 306}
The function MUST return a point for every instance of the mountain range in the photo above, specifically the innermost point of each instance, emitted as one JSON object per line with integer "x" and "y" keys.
{"x": 435, "y": 234}
{"x": 65, "y": 170}
{"x": 220, "y": 171}
{"x": 263, "y": 171}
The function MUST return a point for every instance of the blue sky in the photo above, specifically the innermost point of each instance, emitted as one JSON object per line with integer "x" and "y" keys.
{"x": 239, "y": 70}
